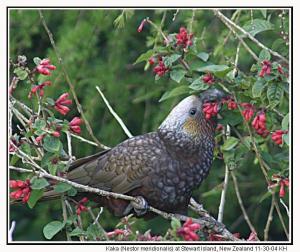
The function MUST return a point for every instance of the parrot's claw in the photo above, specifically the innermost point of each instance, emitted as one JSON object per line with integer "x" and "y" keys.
{"x": 140, "y": 206}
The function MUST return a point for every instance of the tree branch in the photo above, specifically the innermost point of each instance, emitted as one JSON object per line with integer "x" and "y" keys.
{"x": 206, "y": 222}
{"x": 226, "y": 21}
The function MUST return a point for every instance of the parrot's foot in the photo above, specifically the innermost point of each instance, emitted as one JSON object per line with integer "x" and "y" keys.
{"x": 140, "y": 206}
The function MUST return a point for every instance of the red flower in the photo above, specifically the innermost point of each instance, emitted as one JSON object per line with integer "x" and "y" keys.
{"x": 56, "y": 134}
{"x": 160, "y": 69}
{"x": 280, "y": 70}
{"x": 44, "y": 67}
{"x": 208, "y": 78}
{"x": 259, "y": 124}
{"x": 141, "y": 26}
{"x": 266, "y": 68}
{"x": 210, "y": 109}
{"x": 23, "y": 189}
{"x": 231, "y": 104}
{"x": 80, "y": 207}
{"x": 151, "y": 60}
{"x": 183, "y": 38}
{"x": 252, "y": 237}
{"x": 75, "y": 125}
{"x": 61, "y": 102}
{"x": 40, "y": 138}
{"x": 187, "y": 231}
{"x": 248, "y": 111}
{"x": 39, "y": 88}
{"x": 115, "y": 232}
{"x": 277, "y": 136}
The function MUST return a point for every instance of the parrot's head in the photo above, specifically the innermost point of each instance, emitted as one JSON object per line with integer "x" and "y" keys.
{"x": 187, "y": 120}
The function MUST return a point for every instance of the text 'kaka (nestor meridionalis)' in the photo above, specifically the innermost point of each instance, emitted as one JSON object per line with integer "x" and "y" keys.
{"x": 163, "y": 167}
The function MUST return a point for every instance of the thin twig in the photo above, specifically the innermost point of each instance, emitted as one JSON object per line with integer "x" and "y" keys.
{"x": 11, "y": 231}
{"x": 78, "y": 105}
{"x": 270, "y": 218}
{"x": 224, "y": 19}
{"x": 285, "y": 206}
{"x": 65, "y": 215}
{"x": 96, "y": 222}
{"x": 281, "y": 219}
{"x": 115, "y": 115}
{"x": 225, "y": 183}
{"x": 238, "y": 195}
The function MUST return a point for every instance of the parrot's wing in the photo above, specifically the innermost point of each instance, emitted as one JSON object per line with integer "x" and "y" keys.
{"x": 122, "y": 168}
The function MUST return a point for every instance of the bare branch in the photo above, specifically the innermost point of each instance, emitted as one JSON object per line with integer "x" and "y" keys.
{"x": 115, "y": 115}
{"x": 270, "y": 218}
{"x": 238, "y": 195}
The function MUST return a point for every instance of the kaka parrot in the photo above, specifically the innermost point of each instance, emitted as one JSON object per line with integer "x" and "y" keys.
{"x": 161, "y": 167}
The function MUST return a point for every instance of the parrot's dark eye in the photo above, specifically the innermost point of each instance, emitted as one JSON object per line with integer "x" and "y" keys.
{"x": 193, "y": 111}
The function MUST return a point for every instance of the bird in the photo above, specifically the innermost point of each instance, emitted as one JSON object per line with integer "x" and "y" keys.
{"x": 162, "y": 168}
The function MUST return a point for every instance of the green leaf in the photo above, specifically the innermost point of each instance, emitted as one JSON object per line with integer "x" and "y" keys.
{"x": 38, "y": 183}
{"x": 37, "y": 60}
{"x": 175, "y": 92}
{"x": 275, "y": 94}
{"x": 14, "y": 159}
{"x": 52, "y": 229}
{"x": 93, "y": 232}
{"x": 144, "y": 56}
{"x": 51, "y": 144}
{"x": 203, "y": 56}
{"x": 52, "y": 168}
{"x": 35, "y": 195}
{"x": 50, "y": 101}
{"x": 175, "y": 223}
{"x": 177, "y": 75}
{"x": 72, "y": 192}
{"x": 169, "y": 60}
{"x": 25, "y": 147}
{"x": 286, "y": 138}
{"x": 21, "y": 73}
{"x": 257, "y": 26}
{"x": 212, "y": 68}
{"x": 263, "y": 12}
{"x": 77, "y": 232}
{"x": 231, "y": 117}
{"x": 257, "y": 88}
{"x": 39, "y": 124}
{"x": 198, "y": 84}
{"x": 230, "y": 143}
{"x": 264, "y": 55}
{"x": 285, "y": 122}
{"x": 62, "y": 187}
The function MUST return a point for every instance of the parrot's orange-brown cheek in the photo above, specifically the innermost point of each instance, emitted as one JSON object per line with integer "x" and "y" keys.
{"x": 192, "y": 126}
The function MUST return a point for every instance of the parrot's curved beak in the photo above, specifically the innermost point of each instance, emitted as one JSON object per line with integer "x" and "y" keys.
{"x": 213, "y": 95}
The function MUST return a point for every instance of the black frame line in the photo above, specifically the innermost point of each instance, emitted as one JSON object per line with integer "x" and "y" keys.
{"x": 111, "y": 243}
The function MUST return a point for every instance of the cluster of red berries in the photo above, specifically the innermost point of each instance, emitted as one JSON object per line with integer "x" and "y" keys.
{"x": 45, "y": 67}
{"x": 208, "y": 78}
{"x": 23, "y": 189}
{"x": 231, "y": 104}
{"x": 61, "y": 102}
{"x": 81, "y": 207}
{"x": 210, "y": 109}
{"x": 183, "y": 38}
{"x": 39, "y": 88}
{"x": 259, "y": 124}
{"x": 187, "y": 231}
{"x": 277, "y": 136}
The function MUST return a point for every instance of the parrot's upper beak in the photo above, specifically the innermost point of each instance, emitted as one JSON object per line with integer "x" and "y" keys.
{"x": 213, "y": 95}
